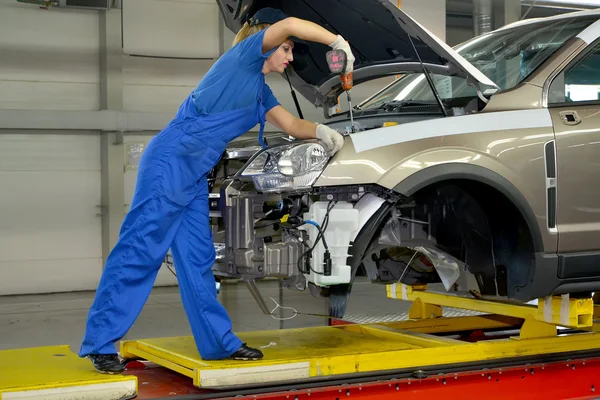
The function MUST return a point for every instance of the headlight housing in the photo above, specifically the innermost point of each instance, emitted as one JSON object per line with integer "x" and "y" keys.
{"x": 293, "y": 166}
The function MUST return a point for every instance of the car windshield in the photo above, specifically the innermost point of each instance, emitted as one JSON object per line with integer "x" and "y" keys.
{"x": 506, "y": 56}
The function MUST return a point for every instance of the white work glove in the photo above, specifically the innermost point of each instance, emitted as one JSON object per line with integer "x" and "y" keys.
{"x": 331, "y": 138}
{"x": 341, "y": 44}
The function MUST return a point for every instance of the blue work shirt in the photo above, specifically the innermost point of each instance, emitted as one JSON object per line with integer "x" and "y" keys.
{"x": 236, "y": 79}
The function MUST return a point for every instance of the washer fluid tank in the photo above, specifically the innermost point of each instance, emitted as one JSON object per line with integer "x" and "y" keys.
{"x": 342, "y": 227}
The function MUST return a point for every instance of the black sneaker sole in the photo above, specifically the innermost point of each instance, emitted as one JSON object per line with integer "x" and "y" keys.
{"x": 105, "y": 371}
{"x": 246, "y": 358}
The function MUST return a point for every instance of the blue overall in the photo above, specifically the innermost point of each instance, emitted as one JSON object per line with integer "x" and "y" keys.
{"x": 170, "y": 208}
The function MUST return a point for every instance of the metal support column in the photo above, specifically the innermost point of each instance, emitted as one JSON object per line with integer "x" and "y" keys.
{"x": 112, "y": 149}
{"x": 506, "y": 12}
{"x": 483, "y": 18}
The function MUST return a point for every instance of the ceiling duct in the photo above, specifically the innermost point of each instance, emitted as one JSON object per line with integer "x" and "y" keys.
{"x": 482, "y": 16}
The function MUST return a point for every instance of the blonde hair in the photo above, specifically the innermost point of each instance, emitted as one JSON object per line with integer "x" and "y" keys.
{"x": 248, "y": 31}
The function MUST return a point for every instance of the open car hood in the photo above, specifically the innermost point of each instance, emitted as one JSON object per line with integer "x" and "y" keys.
{"x": 378, "y": 33}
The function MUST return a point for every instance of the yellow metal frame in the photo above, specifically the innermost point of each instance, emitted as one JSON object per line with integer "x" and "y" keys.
{"x": 540, "y": 320}
{"x": 301, "y": 354}
{"x": 427, "y": 339}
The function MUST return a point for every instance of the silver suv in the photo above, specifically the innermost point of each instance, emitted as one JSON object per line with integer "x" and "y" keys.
{"x": 476, "y": 168}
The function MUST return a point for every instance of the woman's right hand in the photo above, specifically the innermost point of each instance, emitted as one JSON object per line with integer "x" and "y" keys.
{"x": 331, "y": 138}
{"x": 341, "y": 44}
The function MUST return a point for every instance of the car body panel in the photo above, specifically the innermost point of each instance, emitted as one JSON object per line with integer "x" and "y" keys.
{"x": 351, "y": 167}
{"x": 578, "y": 162}
{"x": 578, "y": 221}
{"x": 525, "y": 96}
{"x": 509, "y": 143}
{"x": 502, "y": 144}
{"x": 518, "y": 156}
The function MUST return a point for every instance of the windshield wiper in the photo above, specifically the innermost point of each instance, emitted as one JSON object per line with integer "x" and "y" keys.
{"x": 398, "y": 104}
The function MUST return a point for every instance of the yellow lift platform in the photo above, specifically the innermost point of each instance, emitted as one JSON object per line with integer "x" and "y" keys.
{"x": 57, "y": 373}
{"x": 557, "y": 328}
{"x": 556, "y": 325}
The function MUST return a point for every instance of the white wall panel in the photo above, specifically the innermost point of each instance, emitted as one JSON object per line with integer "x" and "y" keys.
{"x": 49, "y": 276}
{"x": 167, "y": 28}
{"x": 159, "y": 85}
{"x": 151, "y": 98}
{"x": 26, "y": 95}
{"x": 48, "y": 58}
{"x": 429, "y": 13}
{"x": 50, "y": 234}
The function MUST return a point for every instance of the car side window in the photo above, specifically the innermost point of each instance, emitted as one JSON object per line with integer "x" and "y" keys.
{"x": 579, "y": 82}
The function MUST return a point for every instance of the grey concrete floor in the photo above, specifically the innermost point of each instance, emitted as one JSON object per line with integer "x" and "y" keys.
{"x": 58, "y": 319}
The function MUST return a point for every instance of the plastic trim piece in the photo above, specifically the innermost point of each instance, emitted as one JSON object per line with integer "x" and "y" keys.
{"x": 578, "y": 265}
{"x": 551, "y": 189}
{"x": 339, "y": 294}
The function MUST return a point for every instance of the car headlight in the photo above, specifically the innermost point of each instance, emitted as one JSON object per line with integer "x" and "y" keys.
{"x": 287, "y": 167}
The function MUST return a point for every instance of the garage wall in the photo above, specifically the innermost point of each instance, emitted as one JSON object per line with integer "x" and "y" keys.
{"x": 48, "y": 58}
{"x": 50, "y": 235}
{"x": 168, "y": 46}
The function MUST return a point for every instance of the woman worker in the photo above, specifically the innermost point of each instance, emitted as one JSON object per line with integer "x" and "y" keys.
{"x": 170, "y": 202}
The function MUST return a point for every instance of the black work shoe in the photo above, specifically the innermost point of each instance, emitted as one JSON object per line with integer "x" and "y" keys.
{"x": 107, "y": 363}
{"x": 247, "y": 353}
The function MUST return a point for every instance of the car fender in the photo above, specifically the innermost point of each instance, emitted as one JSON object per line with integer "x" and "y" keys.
{"x": 442, "y": 164}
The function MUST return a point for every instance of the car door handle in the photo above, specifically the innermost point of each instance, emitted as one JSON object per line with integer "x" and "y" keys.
{"x": 570, "y": 117}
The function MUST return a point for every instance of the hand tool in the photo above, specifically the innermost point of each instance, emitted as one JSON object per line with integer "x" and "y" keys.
{"x": 337, "y": 60}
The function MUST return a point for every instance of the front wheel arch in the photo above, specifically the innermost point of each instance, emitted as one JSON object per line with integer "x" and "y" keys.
{"x": 469, "y": 172}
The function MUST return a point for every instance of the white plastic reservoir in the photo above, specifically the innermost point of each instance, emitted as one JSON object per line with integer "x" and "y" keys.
{"x": 342, "y": 227}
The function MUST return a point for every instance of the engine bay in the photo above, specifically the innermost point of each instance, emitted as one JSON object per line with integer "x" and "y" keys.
{"x": 300, "y": 237}
{"x": 318, "y": 239}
